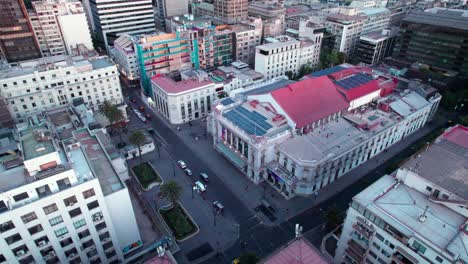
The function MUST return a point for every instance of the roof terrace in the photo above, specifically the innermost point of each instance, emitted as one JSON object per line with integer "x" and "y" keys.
{"x": 36, "y": 141}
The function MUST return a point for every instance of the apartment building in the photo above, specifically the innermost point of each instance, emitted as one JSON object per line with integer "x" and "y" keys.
{"x": 375, "y": 46}
{"x": 112, "y": 18}
{"x": 232, "y": 78}
{"x": 59, "y": 26}
{"x": 64, "y": 203}
{"x": 185, "y": 100}
{"x": 38, "y": 85}
{"x": 273, "y": 15}
{"x": 124, "y": 55}
{"x": 285, "y": 54}
{"x": 247, "y": 35}
{"x": 230, "y": 11}
{"x": 376, "y": 19}
{"x": 347, "y": 27}
{"x": 17, "y": 40}
{"x": 415, "y": 215}
{"x": 168, "y": 8}
{"x": 305, "y": 135}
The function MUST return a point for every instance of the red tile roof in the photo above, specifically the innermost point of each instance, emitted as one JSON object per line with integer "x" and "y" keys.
{"x": 298, "y": 251}
{"x": 458, "y": 135}
{"x": 310, "y": 100}
{"x": 170, "y": 86}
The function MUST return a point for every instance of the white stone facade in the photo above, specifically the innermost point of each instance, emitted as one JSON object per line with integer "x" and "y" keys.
{"x": 44, "y": 84}
{"x": 123, "y": 53}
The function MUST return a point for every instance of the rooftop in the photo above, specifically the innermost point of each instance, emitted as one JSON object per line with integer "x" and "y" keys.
{"x": 266, "y": 87}
{"x": 380, "y": 35}
{"x": 227, "y": 73}
{"x": 171, "y": 86}
{"x": 401, "y": 207}
{"x": 374, "y": 11}
{"x": 445, "y": 162}
{"x": 36, "y": 142}
{"x": 100, "y": 63}
{"x": 310, "y": 100}
{"x": 297, "y": 251}
{"x": 278, "y": 43}
{"x": 442, "y": 17}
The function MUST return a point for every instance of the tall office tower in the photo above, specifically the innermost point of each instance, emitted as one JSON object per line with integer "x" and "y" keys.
{"x": 112, "y": 18}
{"x": 416, "y": 215}
{"x": 230, "y": 11}
{"x": 62, "y": 200}
{"x": 437, "y": 37}
{"x": 17, "y": 40}
{"x": 169, "y": 8}
{"x": 59, "y": 26}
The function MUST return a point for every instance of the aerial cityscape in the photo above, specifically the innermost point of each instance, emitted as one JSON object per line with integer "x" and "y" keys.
{"x": 234, "y": 131}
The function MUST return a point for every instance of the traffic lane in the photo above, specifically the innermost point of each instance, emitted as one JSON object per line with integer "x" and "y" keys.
{"x": 180, "y": 151}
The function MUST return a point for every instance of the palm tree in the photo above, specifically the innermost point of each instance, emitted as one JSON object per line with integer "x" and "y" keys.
{"x": 171, "y": 191}
{"x": 113, "y": 114}
{"x": 137, "y": 138}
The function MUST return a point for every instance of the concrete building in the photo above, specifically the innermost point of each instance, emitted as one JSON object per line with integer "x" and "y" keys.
{"x": 376, "y": 19}
{"x": 17, "y": 40}
{"x": 416, "y": 215}
{"x": 185, "y": 100}
{"x": 164, "y": 9}
{"x": 247, "y": 35}
{"x": 230, "y": 11}
{"x": 59, "y": 26}
{"x": 272, "y": 14}
{"x": 308, "y": 134}
{"x": 38, "y": 85}
{"x": 441, "y": 32}
{"x": 147, "y": 146}
{"x": 347, "y": 27}
{"x": 64, "y": 204}
{"x": 229, "y": 79}
{"x": 298, "y": 250}
{"x": 112, "y": 18}
{"x": 368, "y": 3}
{"x": 124, "y": 55}
{"x": 285, "y": 54}
{"x": 375, "y": 46}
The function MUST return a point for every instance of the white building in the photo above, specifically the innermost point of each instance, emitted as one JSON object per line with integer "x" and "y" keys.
{"x": 123, "y": 53}
{"x": 285, "y": 54}
{"x": 185, "y": 100}
{"x": 59, "y": 26}
{"x": 232, "y": 78}
{"x": 416, "y": 215}
{"x": 65, "y": 204}
{"x": 306, "y": 135}
{"x": 347, "y": 27}
{"x": 112, "y": 18}
{"x": 360, "y": 4}
{"x": 46, "y": 83}
{"x": 376, "y": 19}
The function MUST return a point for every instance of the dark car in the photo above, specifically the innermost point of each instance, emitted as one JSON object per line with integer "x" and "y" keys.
{"x": 148, "y": 116}
{"x": 218, "y": 207}
{"x": 204, "y": 177}
{"x": 188, "y": 172}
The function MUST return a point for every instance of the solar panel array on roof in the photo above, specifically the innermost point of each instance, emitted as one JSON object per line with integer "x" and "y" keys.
{"x": 227, "y": 101}
{"x": 327, "y": 71}
{"x": 252, "y": 122}
{"x": 442, "y": 19}
{"x": 354, "y": 81}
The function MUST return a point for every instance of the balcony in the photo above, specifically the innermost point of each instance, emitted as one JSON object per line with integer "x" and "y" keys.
{"x": 403, "y": 257}
{"x": 353, "y": 255}
{"x": 358, "y": 249}
{"x": 365, "y": 233}
{"x": 280, "y": 172}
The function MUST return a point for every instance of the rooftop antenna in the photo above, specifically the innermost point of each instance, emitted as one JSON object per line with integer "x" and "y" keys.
{"x": 423, "y": 217}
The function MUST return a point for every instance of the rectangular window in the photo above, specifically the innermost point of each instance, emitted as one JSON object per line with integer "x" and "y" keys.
{"x": 29, "y": 217}
{"x": 84, "y": 234}
{"x": 12, "y": 239}
{"x": 61, "y": 231}
{"x": 50, "y": 209}
{"x": 66, "y": 242}
{"x": 56, "y": 220}
{"x": 70, "y": 201}
{"x": 20, "y": 196}
{"x": 380, "y": 237}
{"x": 35, "y": 229}
{"x": 439, "y": 259}
{"x": 88, "y": 193}
{"x": 79, "y": 223}
{"x": 6, "y": 226}
{"x": 75, "y": 212}
{"x": 419, "y": 247}
{"x": 93, "y": 205}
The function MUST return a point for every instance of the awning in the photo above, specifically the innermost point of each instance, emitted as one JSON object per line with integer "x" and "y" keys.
{"x": 228, "y": 153}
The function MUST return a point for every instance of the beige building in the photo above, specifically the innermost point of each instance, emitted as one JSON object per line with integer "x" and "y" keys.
{"x": 247, "y": 35}
{"x": 273, "y": 15}
{"x": 230, "y": 11}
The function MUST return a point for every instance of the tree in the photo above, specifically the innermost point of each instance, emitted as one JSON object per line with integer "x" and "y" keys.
{"x": 289, "y": 74}
{"x": 248, "y": 258}
{"x": 137, "y": 138}
{"x": 171, "y": 190}
{"x": 329, "y": 58}
{"x": 114, "y": 115}
{"x": 222, "y": 95}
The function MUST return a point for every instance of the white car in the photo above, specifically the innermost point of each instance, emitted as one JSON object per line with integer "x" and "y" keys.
{"x": 182, "y": 164}
{"x": 199, "y": 186}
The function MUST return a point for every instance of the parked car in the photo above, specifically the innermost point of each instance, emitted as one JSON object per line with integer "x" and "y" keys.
{"x": 148, "y": 116}
{"x": 188, "y": 172}
{"x": 142, "y": 109}
{"x": 204, "y": 177}
{"x": 218, "y": 207}
{"x": 200, "y": 186}
{"x": 182, "y": 164}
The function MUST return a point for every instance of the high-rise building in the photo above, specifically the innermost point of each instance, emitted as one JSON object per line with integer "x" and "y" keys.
{"x": 169, "y": 8}
{"x": 60, "y": 26}
{"x": 230, "y": 11}
{"x": 112, "y": 18}
{"x": 123, "y": 53}
{"x": 375, "y": 46}
{"x": 273, "y": 15}
{"x": 17, "y": 40}
{"x": 437, "y": 37}
{"x": 62, "y": 200}
{"x": 346, "y": 26}
{"x": 43, "y": 84}
{"x": 415, "y": 215}
{"x": 247, "y": 35}
{"x": 376, "y": 19}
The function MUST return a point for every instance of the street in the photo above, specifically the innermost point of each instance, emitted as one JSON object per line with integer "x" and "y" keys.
{"x": 240, "y": 223}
